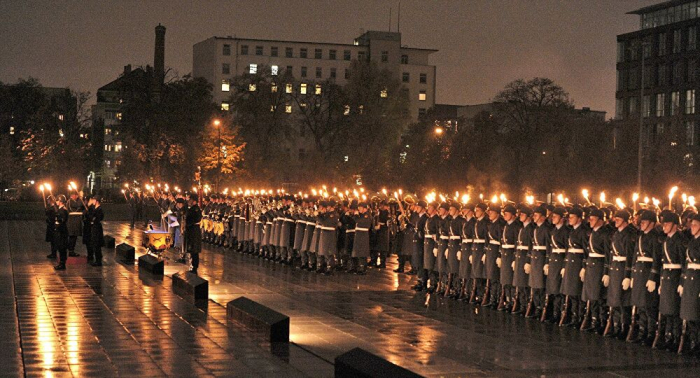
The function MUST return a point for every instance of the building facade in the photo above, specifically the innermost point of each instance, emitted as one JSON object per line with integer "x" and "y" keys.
{"x": 657, "y": 69}
{"x": 219, "y": 59}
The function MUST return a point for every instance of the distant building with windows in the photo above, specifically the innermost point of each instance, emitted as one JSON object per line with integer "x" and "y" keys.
{"x": 59, "y": 102}
{"x": 663, "y": 55}
{"x": 219, "y": 59}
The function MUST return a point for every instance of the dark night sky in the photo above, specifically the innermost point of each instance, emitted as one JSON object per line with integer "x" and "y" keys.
{"x": 483, "y": 44}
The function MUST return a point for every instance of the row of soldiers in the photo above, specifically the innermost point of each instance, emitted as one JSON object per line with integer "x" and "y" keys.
{"x": 68, "y": 219}
{"x": 605, "y": 270}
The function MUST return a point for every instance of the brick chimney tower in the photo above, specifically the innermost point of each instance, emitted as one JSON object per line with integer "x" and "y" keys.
{"x": 159, "y": 56}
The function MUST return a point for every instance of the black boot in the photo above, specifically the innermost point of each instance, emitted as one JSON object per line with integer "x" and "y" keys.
{"x": 60, "y": 266}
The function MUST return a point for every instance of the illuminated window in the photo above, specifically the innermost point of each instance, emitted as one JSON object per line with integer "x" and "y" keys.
{"x": 273, "y": 88}
{"x": 225, "y": 106}
{"x": 253, "y": 69}
{"x": 60, "y": 133}
{"x": 60, "y": 117}
{"x": 274, "y": 70}
{"x": 361, "y": 109}
{"x": 108, "y": 131}
{"x": 273, "y": 108}
{"x": 119, "y": 116}
{"x": 302, "y": 105}
{"x": 346, "y": 158}
{"x": 302, "y": 88}
{"x": 118, "y": 147}
{"x": 346, "y": 110}
{"x": 421, "y": 96}
{"x": 288, "y": 88}
{"x": 225, "y": 87}
{"x": 383, "y": 93}
{"x": 690, "y": 101}
{"x": 318, "y": 89}
{"x": 252, "y": 87}
{"x": 288, "y": 108}
{"x": 12, "y": 130}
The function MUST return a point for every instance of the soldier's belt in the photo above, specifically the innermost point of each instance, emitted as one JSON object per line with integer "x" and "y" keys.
{"x": 467, "y": 241}
{"x": 508, "y": 246}
{"x": 288, "y": 220}
{"x": 300, "y": 221}
{"x": 381, "y": 224}
{"x": 558, "y": 250}
{"x": 270, "y": 223}
{"x": 361, "y": 229}
{"x": 576, "y": 250}
{"x": 452, "y": 237}
{"x": 539, "y": 248}
{"x": 258, "y": 222}
{"x": 644, "y": 259}
{"x": 619, "y": 258}
{"x": 429, "y": 236}
{"x": 327, "y": 228}
{"x": 596, "y": 255}
{"x": 672, "y": 266}
{"x": 494, "y": 242}
{"x": 522, "y": 248}
{"x": 444, "y": 237}
{"x": 693, "y": 266}
{"x": 479, "y": 241}
{"x": 318, "y": 226}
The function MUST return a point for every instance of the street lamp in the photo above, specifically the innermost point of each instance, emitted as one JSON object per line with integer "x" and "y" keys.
{"x": 217, "y": 125}
{"x": 439, "y": 131}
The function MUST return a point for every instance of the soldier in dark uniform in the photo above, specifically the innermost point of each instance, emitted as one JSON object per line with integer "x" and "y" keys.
{"x": 406, "y": 231}
{"x": 328, "y": 239}
{"x": 50, "y": 213}
{"x": 573, "y": 270}
{"x": 490, "y": 258}
{"x": 464, "y": 253}
{"x": 523, "y": 246}
{"x": 645, "y": 279}
{"x": 75, "y": 209}
{"x": 619, "y": 274}
{"x": 430, "y": 248}
{"x": 299, "y": 228}
{"x": 96, "y": 232}
{"x": 193, "y": 231}
{"x": 360, "y": 246}
{"x": 537, "y": 260}
{"x": 477, "y": 257}
{"x": 444, "y": 221}
{"x": 348, "y": 224}
{"x": 420, "y": 217}
{"x": 60, "y": 232}
{"x": 381, "y": 247}
{"x": 673, "y": 249}
{"x": 345, "y": 234}
{"x": 596, "y": 265}
{"x": 453, "y": 247}
{"x": 133, "y": 208}
{"x": 689, "y": 290}
{"x": 558, "y": 240}
{"x": 506, "y": 257}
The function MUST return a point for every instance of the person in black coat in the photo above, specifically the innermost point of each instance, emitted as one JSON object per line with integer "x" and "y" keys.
{"x": 60, "y": 233}
{"x": 50, "y": 212}
{"x": 193, "y": 231}
{"x": 96, "y": 232}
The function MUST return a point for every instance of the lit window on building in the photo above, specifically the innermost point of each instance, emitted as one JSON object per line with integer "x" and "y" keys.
{"x": 253, "y": 68}
{"x": 690, "y": 133}
{"x": 302, "y": 105}
{"x": 273, "y": 108}
{"x": 346, "y": 158}
{"x": 60, "y": 133}
{"x": 288, "y": 108}
{"x": 108, "y": 131}
{"x": 690, "y": 101}
{"x": 274, "y": 70}
{"x": 288, "y": 88}
{"x": 225, "y": 86}
{"x": 225, "y": 106}
{"x": 252, "y": 87}
{"x": 119, "y": 116}
{"x": 273, "y": 88}
{"x": 108, "y": 163}
{"x": 12, "y": 130}
{"x": 346, "y": 110}
{"x": 118, "y": 147}
{"x": 317, "y": 89}
{"x": 302, "y": 88}
{"x": 660, "y": 104}
{"x": 361, "y": 109}
{"x": 421, "y": 96}
{"x": 383, "y": 93}
{"x": 675, "y": 103}
{"x": 60, "y": 117}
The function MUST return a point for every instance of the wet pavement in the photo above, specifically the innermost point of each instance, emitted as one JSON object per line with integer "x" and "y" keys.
{"x": 113, "y": 321}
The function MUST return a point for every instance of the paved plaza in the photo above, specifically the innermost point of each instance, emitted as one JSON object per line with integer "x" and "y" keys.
{"x": 114, "y": 321}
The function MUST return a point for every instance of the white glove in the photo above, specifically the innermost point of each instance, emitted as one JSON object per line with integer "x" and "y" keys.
{"x": 435, "y": 251}
{"x": 498, "y": 262}
{"x": 470, "y": 259}
{"x": 546, "y": 269}
{"x": 563, "y": 270}
{"x": 606, "y": 280}
{"x": 527, "y": 268}
{"x": 459, "y": 255}
{"x": 483, "y": 259}
{"x": 680, "y": 290}
{"x": 512, "y": 265}
{"x": 626, "y": 284}
{"x": 651, "y": 286}
{"x": 446, "y": 254}
{"x": 632, "y": 283}
{"x": 582, "y": 273}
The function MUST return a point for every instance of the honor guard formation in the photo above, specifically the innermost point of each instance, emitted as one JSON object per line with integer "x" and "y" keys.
{"x": 619, "y": 272}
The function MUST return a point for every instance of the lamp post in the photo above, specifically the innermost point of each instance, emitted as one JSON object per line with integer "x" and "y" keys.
{"x": 642, "y": 44}
{"x": 217, "y": 124}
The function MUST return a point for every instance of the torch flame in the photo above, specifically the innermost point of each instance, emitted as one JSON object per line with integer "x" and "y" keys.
{"x": 560, "y": 198}
{"x": 530, "y": 199}
{"x": 619, "y": 203}
{"x": 465, "y": 198}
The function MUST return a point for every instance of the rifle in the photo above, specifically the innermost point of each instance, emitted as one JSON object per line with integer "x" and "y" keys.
{"x": 530, "y": 303}
{"x": 562, "y": 321}
{"x": 655, "y": 344}
{"x": 609, "y": 325}
{"x": 632, "y": 333}
{"x": 544, "y": 309}
{"x": 586, "y": 318}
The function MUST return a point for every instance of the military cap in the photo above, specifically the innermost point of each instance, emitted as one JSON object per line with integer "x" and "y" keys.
{"x": 598, "y": 213}
{"x": 468, "y": 206}
{"x": 540, "y": 210}
{"x": 483, "y": 206}
{"x": 61, "y": 198}
{"x": 363, "y": 204}
{"x": 560, "y": 211}
{"x": 550, "y": 207}
{"x": 331, "y": 203}
{"x": 526, "y": 210}
{"x": 422, "y": 204}
{"x": 445, "y": 206}
{"x": 323, "y": 203}
{"x": 456, "y": 205}
{"x": 576, "y": 211}
{"x": 623, "y": 214}
{"x": 194, "y": 197}
{"x": 649, "y": 215}
{"x": 510, "y": 209}
{"x": 180, "y": 200}
{"x": 494, "y": 207}
{"x": 668, "y": 216}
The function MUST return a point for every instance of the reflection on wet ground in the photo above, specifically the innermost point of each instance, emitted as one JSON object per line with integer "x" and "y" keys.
{"x": 114, "y": 320}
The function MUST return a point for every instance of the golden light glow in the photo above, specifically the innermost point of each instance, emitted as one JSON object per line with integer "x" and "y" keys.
{"x": 691, "y": 200}
{"x": 439, "y": 130}
{"x": 503, "y": 198}
{"x": 585, "y": 195}
{"x": 465, "y": 198}
{"x": 560, "y": 198}
{"x": 635, "y": 197}
{"x": 602, "y": 199}
{"x": 530, "y": 199}
{"x": 684, "y": 197}
{"x": 619, "y": 203}
{"x": 494, "y": 199}
{"x": 646, "y": 200}
{"x": 656, "y": 202}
